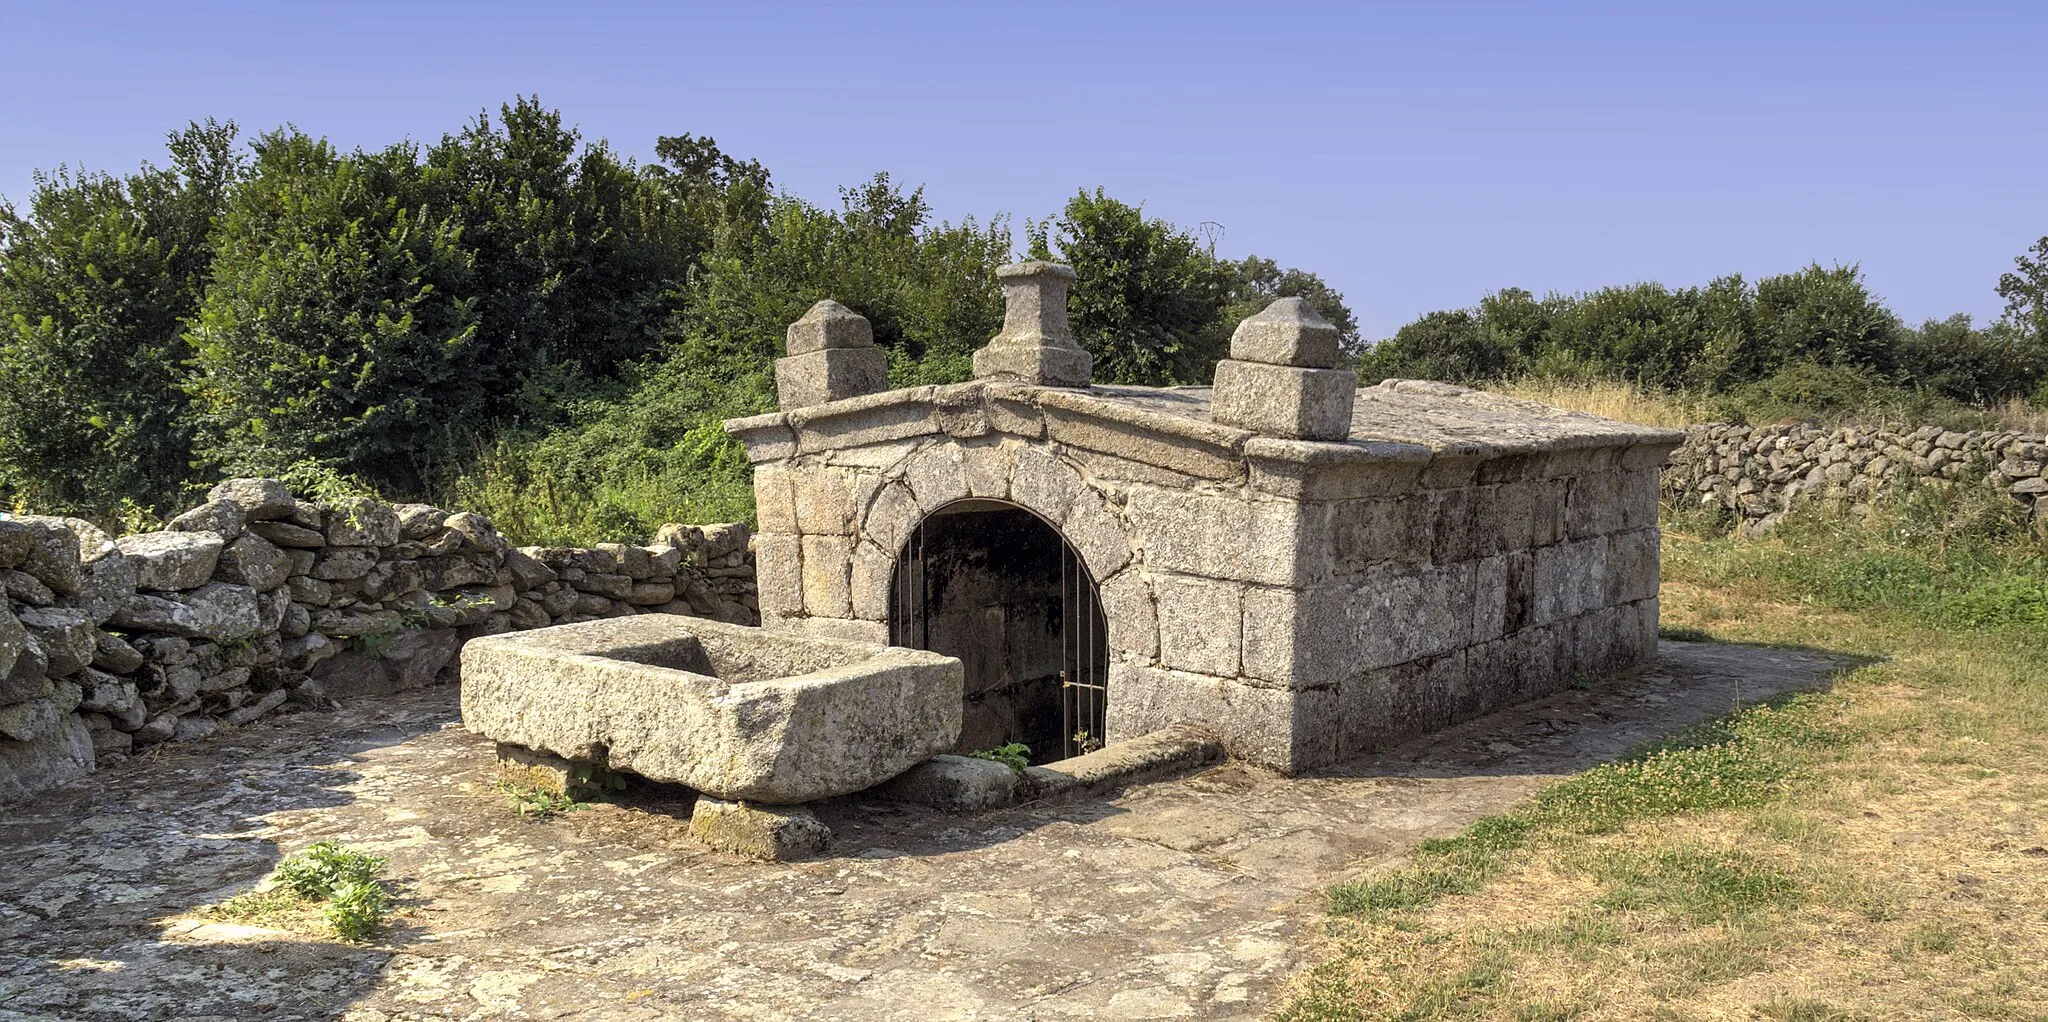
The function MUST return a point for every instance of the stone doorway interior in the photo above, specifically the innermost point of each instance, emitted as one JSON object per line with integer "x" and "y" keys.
{"x": 996, "y": 586}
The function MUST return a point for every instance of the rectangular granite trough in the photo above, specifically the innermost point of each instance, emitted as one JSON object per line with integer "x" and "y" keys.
{"x": 731, "y": 711}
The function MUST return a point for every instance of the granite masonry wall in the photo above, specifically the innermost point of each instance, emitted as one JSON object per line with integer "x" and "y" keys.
{"x": 256, "y": 599}
{"x": 1757, "y": 472}
{"x": 1307, "y": 568}
{"x": 1307, "y": 601}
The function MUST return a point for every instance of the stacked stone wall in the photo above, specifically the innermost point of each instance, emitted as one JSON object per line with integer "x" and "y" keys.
{"x": 1758, "y": 472}
{"x": 256, "y": 599}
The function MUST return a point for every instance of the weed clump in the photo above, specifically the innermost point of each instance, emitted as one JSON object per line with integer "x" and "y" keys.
{"x": 342, "y": 886}
{"x": 1015, "y": 755}
{"x": 538, "y": 803}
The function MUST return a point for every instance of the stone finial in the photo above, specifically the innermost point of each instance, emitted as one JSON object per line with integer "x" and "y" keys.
{"x": 1279, "y": 379}
{"x": 1036, "y": 344}
{"x": 832, "y": 355}
{"x": 829, "y": 324}
{"x": 1288, "y": 332}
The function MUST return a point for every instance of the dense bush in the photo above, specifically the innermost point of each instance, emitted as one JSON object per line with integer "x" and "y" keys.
{"x": 1814, "y": 343}
{"x": 97, "y": 277}
{"x": 509, "y": 317}
{"x": 517, "y": 321}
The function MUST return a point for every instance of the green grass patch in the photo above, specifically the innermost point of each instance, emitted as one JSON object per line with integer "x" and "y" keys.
{"x": 1694, "y": 884}
{"x": 1744, "y": 759}
{"x": 1957, "y": 559}
{"x": 1800, "y": 1009}
{"x": 1683, "y": 633}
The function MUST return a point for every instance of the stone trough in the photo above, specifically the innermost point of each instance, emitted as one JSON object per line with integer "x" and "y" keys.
{"x": 733, "y": 712}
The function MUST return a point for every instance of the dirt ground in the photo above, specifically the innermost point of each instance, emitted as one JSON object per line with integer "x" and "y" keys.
{"x": 1187, "y": 898}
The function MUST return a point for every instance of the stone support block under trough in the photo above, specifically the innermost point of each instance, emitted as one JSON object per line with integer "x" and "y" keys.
{"x": 773, "y": 833}
{"x": 528, "y": 770}
{"x": 955, "y": 784}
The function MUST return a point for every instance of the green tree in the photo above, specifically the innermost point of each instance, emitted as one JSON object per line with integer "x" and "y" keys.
{"x": 96, "y": 280}
{"x": 655, "y": 451}
{"x": 1453, "y": 346}
{"x": 2025, "y": 291}
{"x": 1256, "y": 283}
{"x": 1150, "y": 299}
{"x": 1826, "y": 316}
{"x": 1955, "y": 359}
{"x": 576, "y": 255}
{"x": 335, "y": 329}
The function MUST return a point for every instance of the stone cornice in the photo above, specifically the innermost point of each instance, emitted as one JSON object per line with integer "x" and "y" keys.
{"x": 1401, "y": 429}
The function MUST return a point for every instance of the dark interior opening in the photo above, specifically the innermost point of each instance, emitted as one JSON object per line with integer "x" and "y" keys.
{"x": 994, "y": 585}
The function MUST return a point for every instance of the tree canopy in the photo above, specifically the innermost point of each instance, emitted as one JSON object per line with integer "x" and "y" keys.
{"x": 512, "y": 315}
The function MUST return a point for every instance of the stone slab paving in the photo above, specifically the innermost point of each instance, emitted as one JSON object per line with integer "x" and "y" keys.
{"x": 1191, "y": 898}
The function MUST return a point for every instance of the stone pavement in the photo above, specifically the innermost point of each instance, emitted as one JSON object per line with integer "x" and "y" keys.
{"x": 1191, "y": 898}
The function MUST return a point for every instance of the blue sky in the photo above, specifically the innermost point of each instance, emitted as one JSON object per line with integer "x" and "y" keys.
{"x": 1415, "y": 155}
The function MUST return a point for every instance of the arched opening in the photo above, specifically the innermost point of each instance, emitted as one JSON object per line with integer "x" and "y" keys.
{"x": 996, "y": 586}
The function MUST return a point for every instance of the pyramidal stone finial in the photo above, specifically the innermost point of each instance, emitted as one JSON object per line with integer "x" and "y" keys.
{"x": 832, "y": 355}
{"x": 1037, "y": 343}
{"x": 1289, "y": 332}
{"x": 829, "y": 324}
{"x": 1280, "y": 378}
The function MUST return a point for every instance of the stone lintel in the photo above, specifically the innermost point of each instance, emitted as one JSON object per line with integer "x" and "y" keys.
{"x": 868, "y": 419}
{"x": 766, "y": 437}
{"x": 1651, "y": 453}
{"x": 1171, "y": 450}
{"x": 1177, "y": 426}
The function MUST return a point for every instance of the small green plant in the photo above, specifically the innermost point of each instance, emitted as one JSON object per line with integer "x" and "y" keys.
{"x": 316, "y": 872}
{"x": 1015, "y": 755}
{"x": 537, "y": 804}
{"x": 379, "y": 639}
{"x": 355, "y": 909}
{"x": 325, "y": 484}
{"x": 343, "y": 884}
{"x": 133, "y": 518}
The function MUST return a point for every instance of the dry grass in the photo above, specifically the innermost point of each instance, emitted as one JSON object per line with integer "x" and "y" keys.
{"x": 1630, "y": 403}
{"x": 1624, "y": 401}
{"x": 2018, "y": 414}
{"x": 1901, "y": 871}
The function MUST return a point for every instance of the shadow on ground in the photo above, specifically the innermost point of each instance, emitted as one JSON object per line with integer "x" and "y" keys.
{"x": 101, "y": 876}
{"x": 1188, "y": 898}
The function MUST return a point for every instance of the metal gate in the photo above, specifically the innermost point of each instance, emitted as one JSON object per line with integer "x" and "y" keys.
{"x": 1084, "y": 638}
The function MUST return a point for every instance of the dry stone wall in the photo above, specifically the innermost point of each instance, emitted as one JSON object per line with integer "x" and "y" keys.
{"x": 256, "y": 599}
{"x": 1758, "y": 472}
